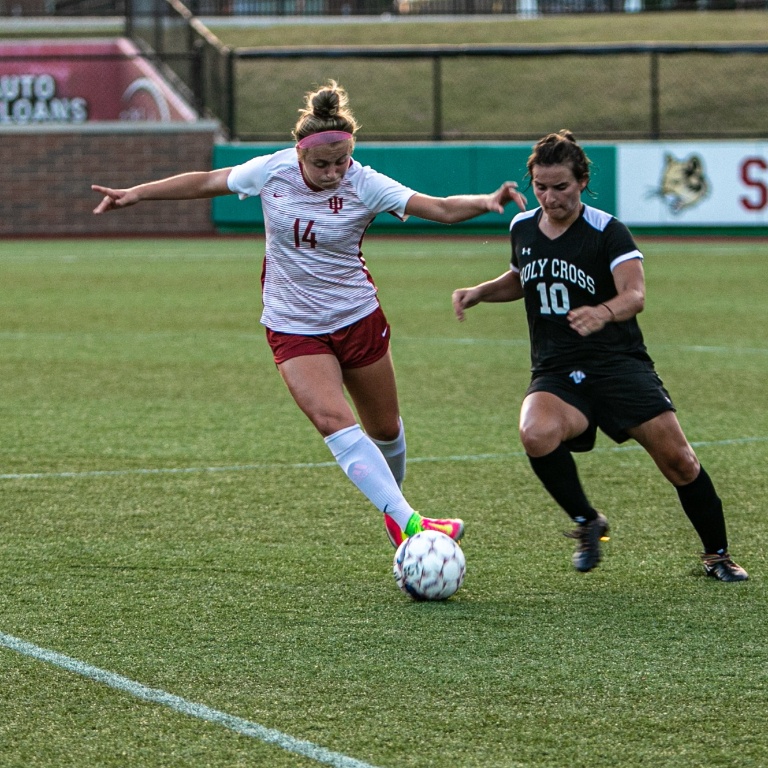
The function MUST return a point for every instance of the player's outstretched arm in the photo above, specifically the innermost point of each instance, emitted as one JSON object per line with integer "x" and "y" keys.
{"x": 456, "y": 208}
{"x": 506, "y": 287}
{"x": 185, "y": 186}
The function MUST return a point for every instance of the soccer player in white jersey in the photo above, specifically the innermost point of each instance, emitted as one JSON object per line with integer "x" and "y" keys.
{"x": 324, "y": 323}
{"x": 580, "y": 275}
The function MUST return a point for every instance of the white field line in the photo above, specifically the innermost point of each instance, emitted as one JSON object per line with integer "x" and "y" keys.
{"x": 201, "y": 711}
{"x": 246, "y": 336}
{"x": 183, "y": 706}
{"x": 524, "y": 342}
{"x": 322, "y": 464}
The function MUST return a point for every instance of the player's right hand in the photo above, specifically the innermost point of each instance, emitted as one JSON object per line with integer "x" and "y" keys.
{"x": 464, "y": 298}
{"x": 113, "y": 198}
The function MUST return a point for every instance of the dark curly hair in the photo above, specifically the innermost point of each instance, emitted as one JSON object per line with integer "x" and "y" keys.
{"x": 560, "y": 149}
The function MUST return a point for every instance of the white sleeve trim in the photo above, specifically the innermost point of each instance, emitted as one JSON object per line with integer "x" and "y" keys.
{"x": 626, "y": 257}
{"x": 522, "y": 215}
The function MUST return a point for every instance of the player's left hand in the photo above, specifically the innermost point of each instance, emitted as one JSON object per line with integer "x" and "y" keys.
{"x": 506, "y": 193}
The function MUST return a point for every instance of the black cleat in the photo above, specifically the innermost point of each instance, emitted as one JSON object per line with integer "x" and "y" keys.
{"x": 721, "y": 567}
{"x": 589, "y": 535}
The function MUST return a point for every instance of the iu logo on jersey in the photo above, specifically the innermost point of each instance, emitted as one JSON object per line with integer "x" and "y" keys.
{"x": 336, "y": 203}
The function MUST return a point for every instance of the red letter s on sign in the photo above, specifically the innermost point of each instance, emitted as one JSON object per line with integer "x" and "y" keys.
{"x": 747, "y": 167}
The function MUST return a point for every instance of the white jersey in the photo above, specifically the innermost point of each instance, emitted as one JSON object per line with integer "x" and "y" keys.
{"x": 315, "y": 279}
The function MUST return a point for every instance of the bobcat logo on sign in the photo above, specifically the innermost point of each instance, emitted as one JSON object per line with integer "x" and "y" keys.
{"x": 683, "y": 182}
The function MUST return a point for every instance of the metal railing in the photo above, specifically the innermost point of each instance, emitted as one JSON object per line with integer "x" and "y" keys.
{"x": 662, "y": 97}
{"x": 198, "y": 63}
{"x": 89, "y": 7}
{"x": 439, "y": 55}
{"x": 658, "y": 90}
{"x": 225, "y": 8}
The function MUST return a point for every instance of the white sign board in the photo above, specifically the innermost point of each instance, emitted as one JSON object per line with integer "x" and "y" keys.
{"x": 693, "y": 183}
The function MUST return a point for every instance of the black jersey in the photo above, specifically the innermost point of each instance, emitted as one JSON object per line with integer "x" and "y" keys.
{"x": 573, "y": 270}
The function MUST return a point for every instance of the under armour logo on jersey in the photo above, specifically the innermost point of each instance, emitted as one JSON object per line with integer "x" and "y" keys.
{"x": 577, "y": 376}
{"x": 525, "y": 251}
{"x": 336, "y": 203}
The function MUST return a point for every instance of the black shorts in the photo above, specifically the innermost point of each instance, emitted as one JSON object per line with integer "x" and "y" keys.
{"x": 614, "y": 397}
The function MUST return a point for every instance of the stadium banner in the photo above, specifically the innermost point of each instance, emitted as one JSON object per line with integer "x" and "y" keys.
{"x": 46, "y": 82}
{"x": 439, "y": 169}
{"x": 693, "y": 184}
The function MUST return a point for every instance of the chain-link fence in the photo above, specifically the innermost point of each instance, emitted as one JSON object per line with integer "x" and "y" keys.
{"x": 471, "y": 92}
{"x": 623, "y": 91}
{"x": 465, "y": 92}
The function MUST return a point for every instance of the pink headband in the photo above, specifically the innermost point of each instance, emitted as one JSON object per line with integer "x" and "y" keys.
{"x": 323, "y": 137}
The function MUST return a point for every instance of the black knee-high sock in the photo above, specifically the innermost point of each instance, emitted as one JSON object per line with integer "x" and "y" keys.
{"x": 704, "y": 509}
{"x": 559, "y": 475}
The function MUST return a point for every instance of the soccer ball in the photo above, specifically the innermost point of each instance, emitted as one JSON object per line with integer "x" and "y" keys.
{"x": 429, "y": 566}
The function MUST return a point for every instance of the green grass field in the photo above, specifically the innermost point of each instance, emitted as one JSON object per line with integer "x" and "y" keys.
{"x": 171, "y": 520}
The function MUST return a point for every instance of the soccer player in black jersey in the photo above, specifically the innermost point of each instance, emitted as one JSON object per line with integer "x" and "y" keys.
{"x": 580, "y": 275}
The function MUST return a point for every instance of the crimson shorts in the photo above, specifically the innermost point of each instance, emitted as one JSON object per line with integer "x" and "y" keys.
{"x": 614, "y": 397}
{"x": 355, "y": 346}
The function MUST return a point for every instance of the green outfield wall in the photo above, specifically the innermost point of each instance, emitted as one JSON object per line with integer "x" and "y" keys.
{"x": 434, "y": 169}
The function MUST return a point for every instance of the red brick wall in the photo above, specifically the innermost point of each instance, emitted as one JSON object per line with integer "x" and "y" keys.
{"x": 46, "y": 177}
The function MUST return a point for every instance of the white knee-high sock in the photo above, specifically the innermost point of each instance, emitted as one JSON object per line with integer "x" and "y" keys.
{"x": 365, "y": 466}
{"x": 394, "y": 452}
